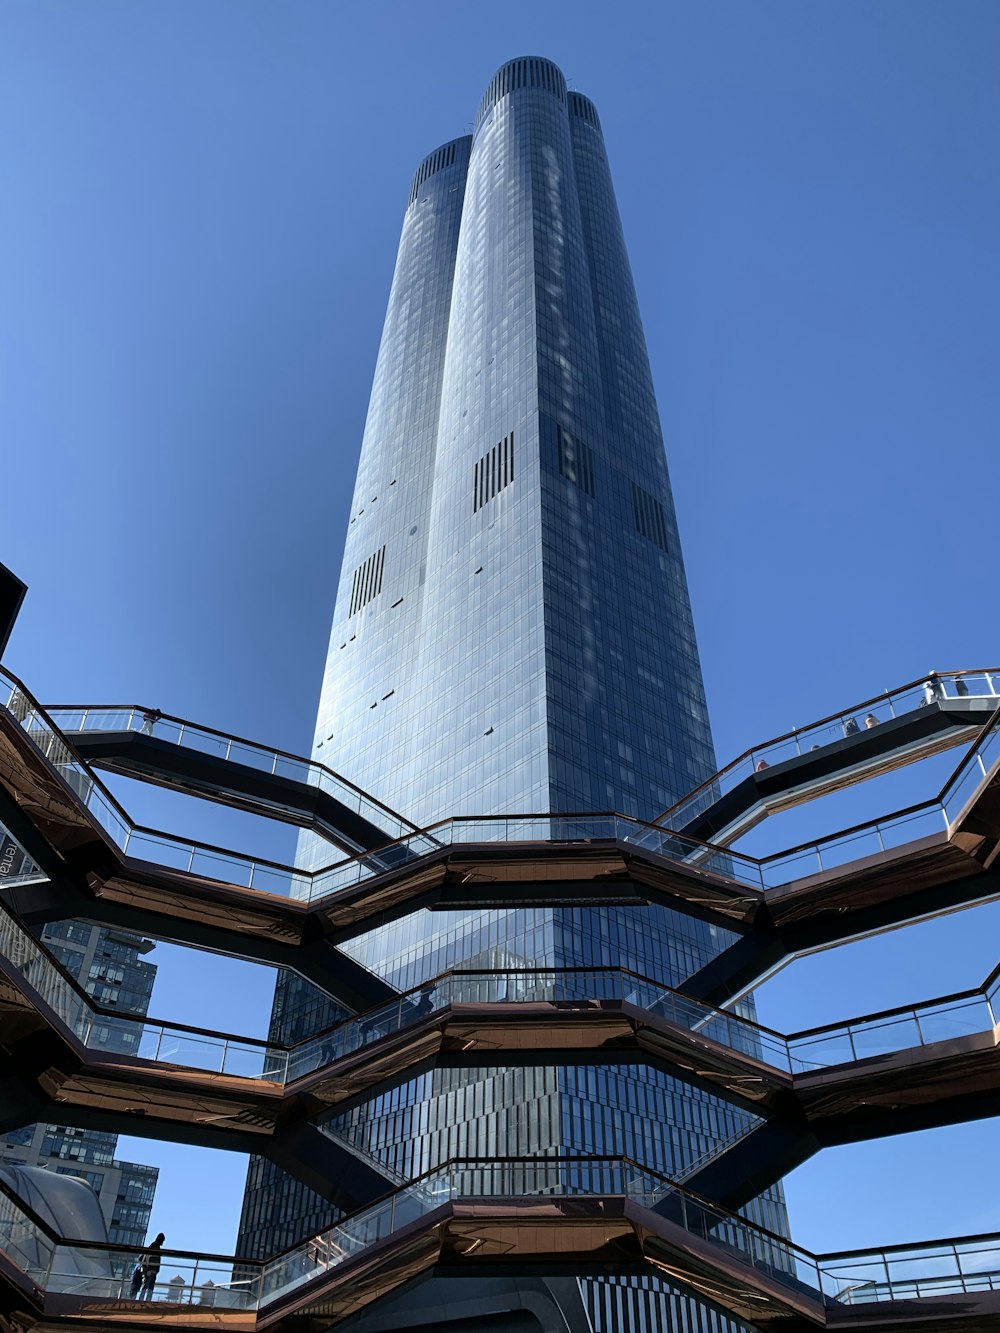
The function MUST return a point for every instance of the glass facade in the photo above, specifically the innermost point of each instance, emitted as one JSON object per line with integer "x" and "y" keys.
{"x": 512, "y": 633}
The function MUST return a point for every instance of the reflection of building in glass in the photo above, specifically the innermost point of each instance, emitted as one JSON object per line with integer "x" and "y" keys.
{"x": 109, "y": 966}
{"x": 512, "y": 633}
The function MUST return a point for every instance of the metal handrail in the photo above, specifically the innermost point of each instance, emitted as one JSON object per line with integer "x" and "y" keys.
{"x": 47, "y": 1228}
{"x": 771, "y": 1244}
{"x": 700, "y": 1015}
{"x": 864, "y": 827}
{"x": 885, "y": 697}
{"x": 231, "y": 738}
{"x": 700, "y": 850}
{"x": 831, "y": 719}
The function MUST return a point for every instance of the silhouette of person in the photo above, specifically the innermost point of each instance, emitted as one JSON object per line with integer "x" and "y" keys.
{"x": 149, "y": 1265}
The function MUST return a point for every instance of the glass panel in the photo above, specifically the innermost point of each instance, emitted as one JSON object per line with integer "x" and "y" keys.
{"x": 885, "y": 1035}
{"x": 977, "y": 1257}
{"x": 960, "y": 1019}
{"x": 25, "y": 1243}
{"x": 854, "y": 1281}
{"x": 186, "y": 1279}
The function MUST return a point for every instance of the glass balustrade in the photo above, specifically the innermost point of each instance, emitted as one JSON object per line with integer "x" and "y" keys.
{"x": 118, "y": 1034}
{"x": 952, "y": 686}
{"x": 197, "y": 858}
{"x": 104, "y": 1272}
{"x": 901, "y": 1273}
{"x": 27, "y": 1244}
{"x": 578, "y": 989}
{"x": 183, "y": 1279}
{"x": 147, "y": 722}
{"x": 965, "y": 1015}
{"x": 98, "y": 802}
{"x": 976, "y": 685}
{"x": 268, "y": 877}
{"x": 912, "y": 1272}
{"x": 843, "y": 849}
{"x": 972, "y": 774}
{"x": 22, "y": 954}
{"x": 833, "y": 852}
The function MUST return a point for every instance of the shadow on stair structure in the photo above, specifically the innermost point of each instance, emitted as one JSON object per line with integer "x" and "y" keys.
{"x": 70, "y": 850}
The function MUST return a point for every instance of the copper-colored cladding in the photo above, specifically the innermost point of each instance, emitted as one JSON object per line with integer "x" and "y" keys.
{"x": 922, "y": 1086}
{"x": 62, "y": 1312}
{"x": 44, "y": 798}
{"x": 724, "y": 1279}
{"x": 223, "y": 777}
{"x": 245, "y": 914}
{"x": 474, "y": 875}
{"x": 590, "y": 1233}
{"x": 945, "y": 1081}
{"x": 18, "y": 1016}
{"x": 725, "y": 804}
{"x": 950, "y": 1080}
{"x": 873, "y": 881}
{"x": 64, "y": 1079}
{"x": 965, "y": 1312}
{"x": 735, "y": 804}
{"x": 372, "y": 1275}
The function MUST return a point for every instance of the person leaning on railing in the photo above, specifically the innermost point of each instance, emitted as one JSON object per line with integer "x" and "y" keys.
{"x": 146, "y": 1270}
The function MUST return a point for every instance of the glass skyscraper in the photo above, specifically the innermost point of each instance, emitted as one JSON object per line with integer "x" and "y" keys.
{"x": 512, "y": 634}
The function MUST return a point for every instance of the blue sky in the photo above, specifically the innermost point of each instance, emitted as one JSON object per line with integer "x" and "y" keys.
{"x": 201, "y": 205}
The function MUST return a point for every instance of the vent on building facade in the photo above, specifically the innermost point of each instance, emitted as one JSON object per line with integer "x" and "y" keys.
{"x": 576, "y": 462}
{"x": 367, "y": 581}
{"x": 493, "y": 472}
{"x": 649, "y": 517}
